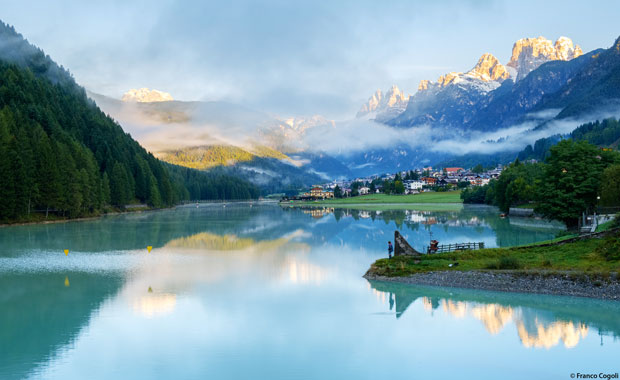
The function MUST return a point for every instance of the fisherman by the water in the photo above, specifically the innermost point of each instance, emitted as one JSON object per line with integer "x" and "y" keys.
{"x": 390, "y": 249}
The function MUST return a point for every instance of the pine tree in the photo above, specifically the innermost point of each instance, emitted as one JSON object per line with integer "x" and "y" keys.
{"x": 119, "y": 186}
{"x": 154, "y": 198}
{"x": 105, "y": 189}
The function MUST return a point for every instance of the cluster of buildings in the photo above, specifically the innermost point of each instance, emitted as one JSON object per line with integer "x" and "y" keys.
{"x": 427, "y": 180}
{"x": 450, "y": 176}
{"x": 317, "y": 192}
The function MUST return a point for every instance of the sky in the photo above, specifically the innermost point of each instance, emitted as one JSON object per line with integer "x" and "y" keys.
{"x": 291, "y": 58}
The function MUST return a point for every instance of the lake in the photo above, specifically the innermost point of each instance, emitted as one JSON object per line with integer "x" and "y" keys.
{"x": 256, "y": 290}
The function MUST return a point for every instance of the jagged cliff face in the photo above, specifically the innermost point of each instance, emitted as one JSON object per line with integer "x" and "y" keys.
{"x": 145, "y": 95}
{"x": 529, "y": 53}
{"x": 489, "y": 69}
{"x": 485, "y": 76}
{"x": 383, "y": 106}
{"x": 456, "y": 98}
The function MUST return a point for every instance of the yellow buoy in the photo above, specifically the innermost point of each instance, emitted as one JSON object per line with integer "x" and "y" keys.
{"x": 67, "y": 281}
{"x": 150, "y": 290}
{"x": 66, "y": 252}
{"x": 149, "y": 248}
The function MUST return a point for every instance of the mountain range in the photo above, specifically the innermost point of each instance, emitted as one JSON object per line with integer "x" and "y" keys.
{"x": 488, "y": 113}
{"x": 459, "y": 100}
{"x": 62, "y": 157}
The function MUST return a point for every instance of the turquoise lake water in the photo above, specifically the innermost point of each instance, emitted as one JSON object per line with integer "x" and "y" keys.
{"x": 257, "y": 291}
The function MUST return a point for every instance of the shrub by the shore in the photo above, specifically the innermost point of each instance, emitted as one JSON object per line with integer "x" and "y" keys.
{"x": 610, "y": 248}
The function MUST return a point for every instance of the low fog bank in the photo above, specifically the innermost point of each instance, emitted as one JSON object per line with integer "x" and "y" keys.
{"x": 175, "y": 125}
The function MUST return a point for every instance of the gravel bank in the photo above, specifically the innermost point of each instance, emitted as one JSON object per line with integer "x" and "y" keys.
{"x": 568, "y": 284}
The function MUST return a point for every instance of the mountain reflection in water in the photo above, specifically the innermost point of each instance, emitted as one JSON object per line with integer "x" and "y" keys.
{"x": 224, "y": 284}
{"x": 540, "y": 321}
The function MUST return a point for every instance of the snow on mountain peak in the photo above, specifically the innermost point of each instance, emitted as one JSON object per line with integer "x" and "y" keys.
{"x": 451, "y": 77}
{"x": 145, "y": 95}
{"x": 529, "y": 53}
{"x": 489, "y": 69}
{"x": 300, "y": 123}
{"x": 394, "y": 100}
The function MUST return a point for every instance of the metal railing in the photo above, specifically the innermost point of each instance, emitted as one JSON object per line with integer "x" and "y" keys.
{"x": 454, "y": 247}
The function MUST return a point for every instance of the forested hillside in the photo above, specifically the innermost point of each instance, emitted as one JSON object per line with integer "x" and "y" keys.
{"x": 576, "y": 177}
{"x": 60, "y": 154}
{"x": 205, "y": 157}
{"x": 605, "y": 134}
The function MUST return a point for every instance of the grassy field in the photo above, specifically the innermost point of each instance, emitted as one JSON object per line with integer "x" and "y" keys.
{"x": 430, "y": 197}
{"x": 584, "y": 256}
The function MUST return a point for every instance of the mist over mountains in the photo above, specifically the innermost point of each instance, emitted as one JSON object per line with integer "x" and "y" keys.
{"x": 486, "y": 114}
{"x": 492, "y": 110}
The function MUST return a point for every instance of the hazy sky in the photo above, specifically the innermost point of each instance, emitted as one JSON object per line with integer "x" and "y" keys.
{"x": 291, "y": 57}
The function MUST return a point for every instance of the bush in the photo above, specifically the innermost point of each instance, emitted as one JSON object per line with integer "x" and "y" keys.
{"x": 615, "y": 223}
{"x": 509, "y": 262}
{"x": 610, "y": 248}
{"x": 474, "y": 194}
{"x": 505, "y": 262}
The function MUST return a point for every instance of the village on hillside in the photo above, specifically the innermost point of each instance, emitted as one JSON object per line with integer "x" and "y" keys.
{"x": 405, "y": 182}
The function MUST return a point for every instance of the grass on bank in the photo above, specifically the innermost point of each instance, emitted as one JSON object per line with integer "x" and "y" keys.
{"x": 596, "y": 256}
{"x": 428, "y": 197}
{"x": 605, "y": 226}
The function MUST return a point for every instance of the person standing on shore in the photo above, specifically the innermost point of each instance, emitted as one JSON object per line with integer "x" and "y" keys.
{"x": 390, "y": 249}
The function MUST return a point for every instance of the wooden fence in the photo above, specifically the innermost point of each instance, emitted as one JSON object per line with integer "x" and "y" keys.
{"x": 454, "y": 247}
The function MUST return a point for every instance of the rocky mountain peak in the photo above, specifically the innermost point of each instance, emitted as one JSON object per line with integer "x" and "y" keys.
{"x": 564, "y": 49}
{"x": 395, "y": 96}
{"x": 394, "y": 99}
{"x": 145, "y": 95}
{"x": 488, "y": 69}
{"x": 616, "y": 45}
{"x": 372, "y": 103}
{"x": 424, "y": 84}
{"x": 529, "y": 53}
{"x": 448, "y": 78}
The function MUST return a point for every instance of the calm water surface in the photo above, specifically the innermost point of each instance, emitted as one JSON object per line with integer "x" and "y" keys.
{"x": 258, "y": 291}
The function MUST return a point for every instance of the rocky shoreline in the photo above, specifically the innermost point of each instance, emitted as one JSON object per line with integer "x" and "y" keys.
{"x": 554, "y": 283}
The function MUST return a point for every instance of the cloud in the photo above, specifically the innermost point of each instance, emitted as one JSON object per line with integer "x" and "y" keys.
{"x": 287, "y": 57}
{"x": 517, "y": 137}
{"x": 174, "y": 125}
{"x": 352, "y": 136}
{"x": 166, "y": 126}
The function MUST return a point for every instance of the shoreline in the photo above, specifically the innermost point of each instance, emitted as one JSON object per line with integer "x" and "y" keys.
{"x": 573, "y": 284}
{"x": 82, "y": 219}
{"x": 127, "y": 211}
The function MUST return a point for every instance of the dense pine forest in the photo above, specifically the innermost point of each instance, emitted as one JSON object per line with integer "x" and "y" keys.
{"x": 605, "y": 133}
{"x": 61, "y": 156}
